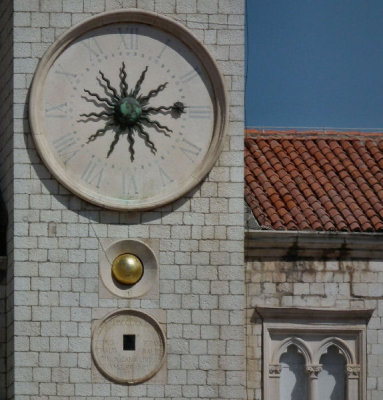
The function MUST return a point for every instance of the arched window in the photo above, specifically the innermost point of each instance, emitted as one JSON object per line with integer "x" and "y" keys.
{"x": 293, "y": 378}
{"x": 332, "y": 378}
{"x": 314, "y": 354}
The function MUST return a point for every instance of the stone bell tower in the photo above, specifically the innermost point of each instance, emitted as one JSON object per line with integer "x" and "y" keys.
{"x": 75, "y": 328}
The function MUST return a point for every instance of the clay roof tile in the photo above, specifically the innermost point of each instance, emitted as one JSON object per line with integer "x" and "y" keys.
{"x": 315, "y": 183}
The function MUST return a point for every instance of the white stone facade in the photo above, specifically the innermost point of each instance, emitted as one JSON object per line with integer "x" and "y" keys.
{"x": 53, "y": 276}
{"x": 342, "y": 285}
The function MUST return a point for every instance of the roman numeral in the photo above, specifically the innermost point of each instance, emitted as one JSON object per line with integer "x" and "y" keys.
{"x": 66, "y": 147}
{"x": 129, "y": 185}
{"x": 199, "y": 112}
{"x": 94, "y": 49}
{"x": 165, "y": 178}
{"x": 129, "y": 39}
{"x": 57, "y": 111}
{"x": 190, "y": 75}
{"x": 67, "y": 75}
{"x": 190, "y": 150}
{"x": 92, "y": 174}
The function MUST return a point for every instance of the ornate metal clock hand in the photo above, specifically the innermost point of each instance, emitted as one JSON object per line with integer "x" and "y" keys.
{"x": 129, "y": 112}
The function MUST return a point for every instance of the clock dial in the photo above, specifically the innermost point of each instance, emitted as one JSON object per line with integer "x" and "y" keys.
{"x": 126, "y": 114}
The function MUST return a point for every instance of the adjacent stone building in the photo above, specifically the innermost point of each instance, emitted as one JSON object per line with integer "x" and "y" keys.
{"x": 313, "y": 264}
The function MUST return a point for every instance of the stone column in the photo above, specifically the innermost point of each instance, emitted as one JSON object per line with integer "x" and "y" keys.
{"x": 313, "y": 372}
{"x": 274, "y": 376}
{"x": 353, "y": 375}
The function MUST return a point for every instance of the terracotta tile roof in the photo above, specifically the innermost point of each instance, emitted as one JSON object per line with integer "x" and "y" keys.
{"x": 315, "y": 182}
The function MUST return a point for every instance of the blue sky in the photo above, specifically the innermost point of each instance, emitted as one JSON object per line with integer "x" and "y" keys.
{"x": 315, "y": 63}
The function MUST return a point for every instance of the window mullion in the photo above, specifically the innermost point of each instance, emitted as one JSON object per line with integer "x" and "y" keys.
{"x": 313, "y": 371}
{"x": 352, "y": 387}
{"x": 274, "y": 379}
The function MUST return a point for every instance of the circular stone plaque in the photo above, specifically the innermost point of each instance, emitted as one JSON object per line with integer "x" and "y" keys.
{"x": 128, "y": 346}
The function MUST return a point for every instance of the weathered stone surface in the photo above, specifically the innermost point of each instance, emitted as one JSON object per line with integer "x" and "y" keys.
{"x": 128, "y": 346}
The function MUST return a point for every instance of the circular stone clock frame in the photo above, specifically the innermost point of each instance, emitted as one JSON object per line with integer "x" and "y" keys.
{"x": 219, "y": 106}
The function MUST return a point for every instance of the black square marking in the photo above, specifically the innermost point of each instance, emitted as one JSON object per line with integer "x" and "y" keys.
{"x": 129, "y": 342}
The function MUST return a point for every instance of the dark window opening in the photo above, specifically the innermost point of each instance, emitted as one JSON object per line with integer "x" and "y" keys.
{"x": 129, "y": 342}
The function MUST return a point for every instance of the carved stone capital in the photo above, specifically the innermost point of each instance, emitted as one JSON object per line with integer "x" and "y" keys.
{"x": 275, "y": 370}
{"x": 353, "y": 371}
{"x": 313, "y": 370}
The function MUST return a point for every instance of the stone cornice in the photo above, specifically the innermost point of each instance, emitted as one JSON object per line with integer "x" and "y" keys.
{"x": 291, "y": 245}
{"x": 322, "y": 314}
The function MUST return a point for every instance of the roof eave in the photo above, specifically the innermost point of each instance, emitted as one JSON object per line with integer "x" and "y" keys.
{"x": 293, "y": 245}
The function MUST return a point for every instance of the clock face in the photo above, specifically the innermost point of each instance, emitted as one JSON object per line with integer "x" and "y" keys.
{"x": 126, "y": 114}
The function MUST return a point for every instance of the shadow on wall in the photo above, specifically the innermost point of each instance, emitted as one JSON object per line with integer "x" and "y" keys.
{"x": 293, "y": 382}
{"x": 332, "y": 379}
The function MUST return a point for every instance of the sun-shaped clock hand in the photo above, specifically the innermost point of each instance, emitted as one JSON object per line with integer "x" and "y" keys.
{"x": 128, "y": 112}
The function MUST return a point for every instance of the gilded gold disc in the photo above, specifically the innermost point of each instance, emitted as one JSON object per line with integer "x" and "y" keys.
{"x": 127, "y": 269}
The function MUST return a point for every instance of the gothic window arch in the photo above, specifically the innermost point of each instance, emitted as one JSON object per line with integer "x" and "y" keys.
{"x": 314, "y": 354}
{"x": 332, "y": 378}
{"x": 349, "y": 372}
{"x": 298, "y": 343}
{"x": 293, "y": 383}
{"x": 340, "y": 344}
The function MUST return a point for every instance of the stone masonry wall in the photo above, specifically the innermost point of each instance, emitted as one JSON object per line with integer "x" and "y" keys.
{"x": 344, "y": 285}
{"x": 6, "y": 178}
{"x": 57, "y": 236}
